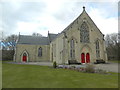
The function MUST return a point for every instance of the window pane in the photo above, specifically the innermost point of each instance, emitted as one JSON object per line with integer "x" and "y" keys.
{"x": 97, "y": 49}
{"x": 84, "y": 33}
{"x": 72, "y": 49}
{"x": 40, "y": 52}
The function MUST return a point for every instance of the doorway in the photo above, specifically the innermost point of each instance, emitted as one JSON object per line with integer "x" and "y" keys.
{"x": 24, "y": 58}
{"x": 85, "y": 58}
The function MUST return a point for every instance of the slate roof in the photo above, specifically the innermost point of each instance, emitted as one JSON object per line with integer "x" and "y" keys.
{"x": 33, "y": 40}
{"x": 52, "y": 36}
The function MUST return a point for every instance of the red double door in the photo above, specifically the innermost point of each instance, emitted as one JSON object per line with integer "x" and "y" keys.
{"x": 85, "y": 58}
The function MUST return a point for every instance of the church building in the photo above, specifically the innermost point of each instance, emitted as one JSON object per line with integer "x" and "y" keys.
{"x": 81, "y": 41}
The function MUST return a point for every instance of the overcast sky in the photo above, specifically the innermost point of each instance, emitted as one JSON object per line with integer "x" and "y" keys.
{"x": 42, "y": 16}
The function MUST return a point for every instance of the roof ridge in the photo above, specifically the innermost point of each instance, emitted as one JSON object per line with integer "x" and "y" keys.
{"x": 65, "y": 29}
{"x": 32, "y": 36}
{"x": 53, "y": 33}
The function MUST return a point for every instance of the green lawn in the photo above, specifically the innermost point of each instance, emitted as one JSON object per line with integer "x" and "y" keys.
{"x": 114, "y": 61}
{"x": 33, "y": 76}
{"x": 0, "y": 74}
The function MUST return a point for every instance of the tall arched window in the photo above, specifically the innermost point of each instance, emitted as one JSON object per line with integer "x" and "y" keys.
{"x": 40, "y": 52}
{"x": 84, "y": 33}
{"x": 97, "y": 49}
{"x": 72, "y": 49}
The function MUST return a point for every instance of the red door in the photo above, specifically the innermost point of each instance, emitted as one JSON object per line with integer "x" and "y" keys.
{"x": 82, "y": 58}
{"x": 24, "y": 57}
{"x": 87, "y": 58}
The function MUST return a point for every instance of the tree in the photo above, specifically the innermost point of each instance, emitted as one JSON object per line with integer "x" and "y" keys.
{"x": 8, "y": 47}
{"x": 1, "y": 35}
{"x": 113, "y": 45}
{"x": 10, "y": 42}
{"x": 37, "y": 34}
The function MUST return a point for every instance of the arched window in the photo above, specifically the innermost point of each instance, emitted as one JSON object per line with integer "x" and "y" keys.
{"x": 40, "y": 52}
{"x": 97, "y": 49}
{"x": 72, "y": 49}
{"x": 24, "y": 54}
{"x": 84, "y": 33}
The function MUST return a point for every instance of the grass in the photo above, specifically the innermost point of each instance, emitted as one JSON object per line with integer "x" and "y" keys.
{"x": 114, "y": 61}
{"x": 0, "y": 74}
{"x": 33, "y": 76}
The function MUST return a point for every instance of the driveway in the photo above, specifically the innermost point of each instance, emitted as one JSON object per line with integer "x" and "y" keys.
{"x": 34, "y": 63}
{"x": 112, "y": 67}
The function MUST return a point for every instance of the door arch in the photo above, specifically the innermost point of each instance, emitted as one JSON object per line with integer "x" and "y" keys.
{"x": 82, "y": 58}
{"x": 87, "y": 58}
{"x": 24, "y": 56}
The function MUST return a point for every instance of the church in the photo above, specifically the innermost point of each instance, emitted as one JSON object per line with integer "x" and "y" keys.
{"x": 81, "y": 41}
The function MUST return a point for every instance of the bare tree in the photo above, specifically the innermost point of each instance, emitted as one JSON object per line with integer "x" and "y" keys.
{"x": 1, "y": 35}
{"x": 8, "y": 47}
{"x": 113, "y": 45}
{"x": 37, "y": 34}
{"x": 10, "y": 41}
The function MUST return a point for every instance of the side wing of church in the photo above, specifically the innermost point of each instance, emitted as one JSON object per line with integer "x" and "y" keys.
{"x": 81, "y": 41}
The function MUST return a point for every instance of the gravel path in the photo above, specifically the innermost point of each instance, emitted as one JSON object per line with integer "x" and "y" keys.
{"x": 34, "y": 63}
{"x": 113, "y": 67}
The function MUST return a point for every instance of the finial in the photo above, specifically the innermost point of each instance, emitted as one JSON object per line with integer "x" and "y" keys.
{"x": 83, "y": 7}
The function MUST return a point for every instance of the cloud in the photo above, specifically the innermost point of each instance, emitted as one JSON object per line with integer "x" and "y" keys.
{"x": 18, "y": 12}
{"x": 40, "y": 16}
{"x": 106, "y": 25}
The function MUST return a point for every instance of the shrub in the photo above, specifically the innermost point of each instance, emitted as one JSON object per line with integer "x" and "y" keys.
{"x": 54, "y": 64}
{"x": 72, "y": 68}
{"x": 7, "y": 54}
{"x": 82, "y": 69}
{"x": 90, "y": 68}
{"x": 101, "y": 71}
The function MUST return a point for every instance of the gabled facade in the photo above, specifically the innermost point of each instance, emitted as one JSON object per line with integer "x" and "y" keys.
{"x": 81, "y": 41}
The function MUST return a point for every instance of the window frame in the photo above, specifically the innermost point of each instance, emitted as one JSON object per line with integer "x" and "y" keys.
{"x": 97, "y": 49}
{"x": 72, "y": 49}
{"x": 40, "y": 52}
{"x": 84, "y": 33}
